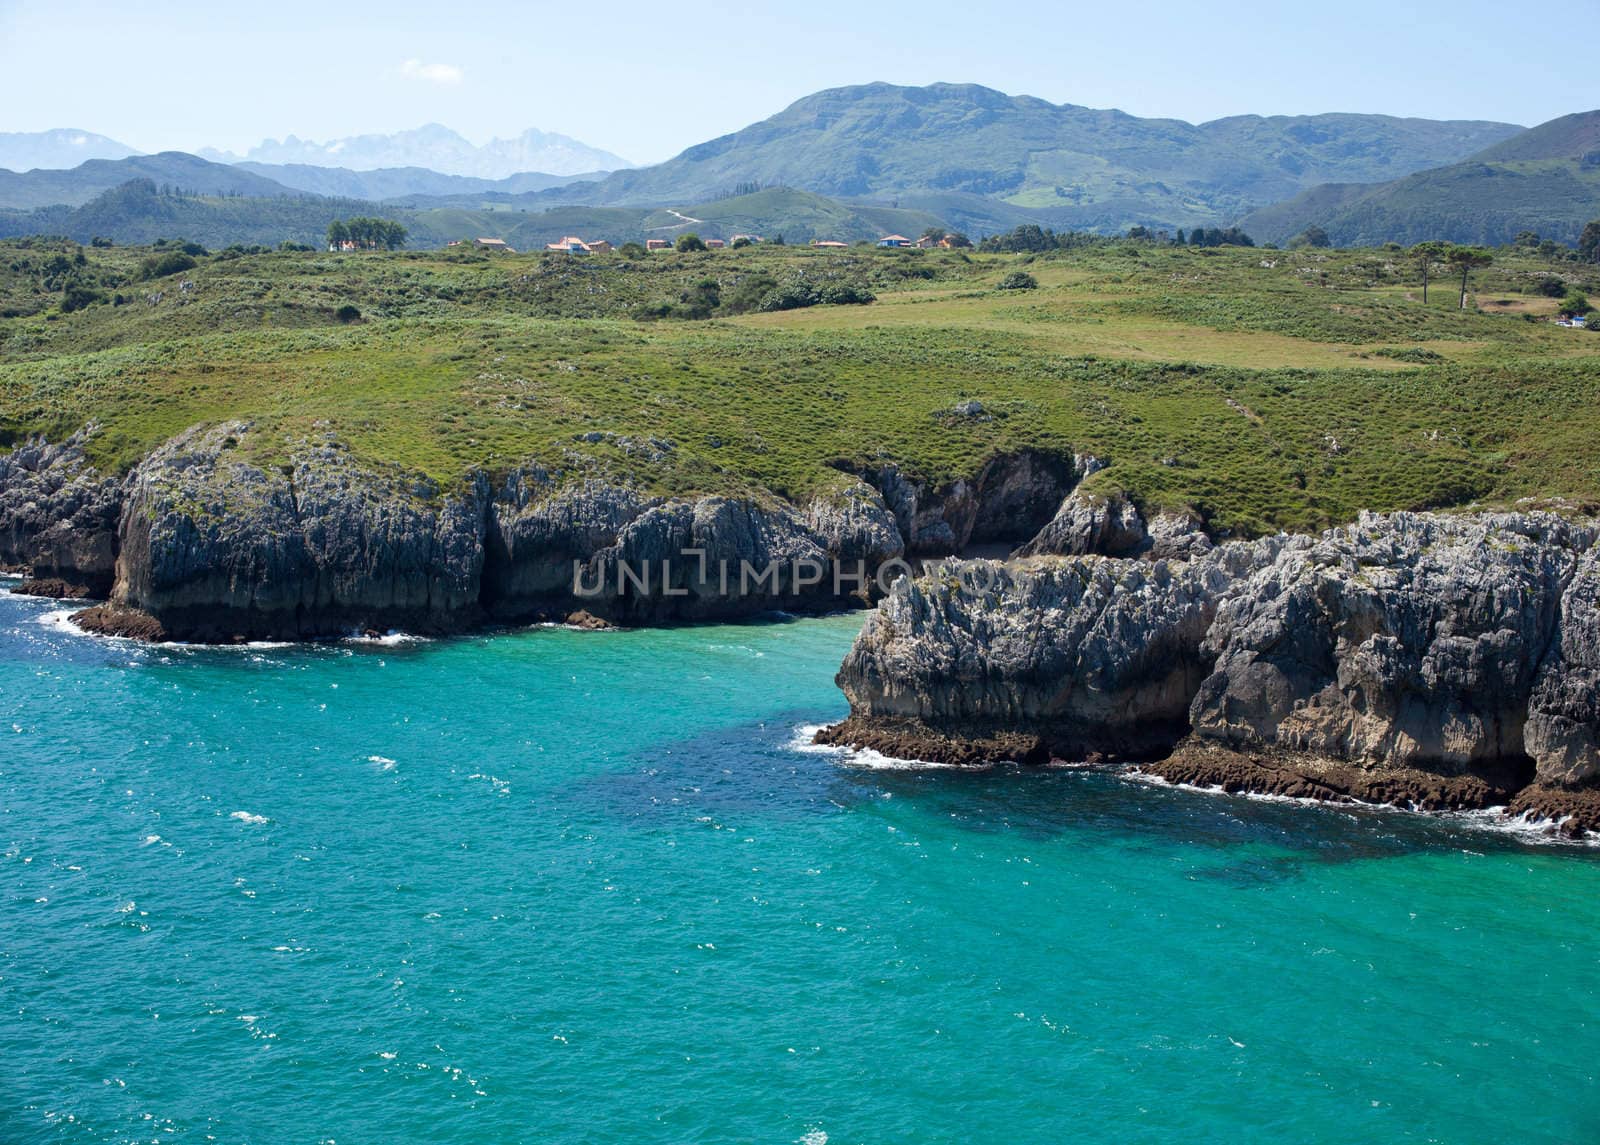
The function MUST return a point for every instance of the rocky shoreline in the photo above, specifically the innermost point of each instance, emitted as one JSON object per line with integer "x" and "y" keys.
{"x": 203, "y": 542}
{"x": 1420, "y": 660}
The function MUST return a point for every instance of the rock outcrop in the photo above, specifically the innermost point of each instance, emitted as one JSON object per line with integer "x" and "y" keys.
{"x": 216, "y": 547}
{"x": 58, "y": 519}
{"x": 1090, "y": 655}
{"x": 1409, "y": 645}
{"x": 204, "y": 540}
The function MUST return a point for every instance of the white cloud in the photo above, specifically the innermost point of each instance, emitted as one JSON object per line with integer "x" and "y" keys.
{"x": 445, "y": 74}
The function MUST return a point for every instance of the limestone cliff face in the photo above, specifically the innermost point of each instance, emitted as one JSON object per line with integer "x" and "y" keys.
{"x": 1404, "y": 641}
{"x": 216, "y": 547}
{"x": 1563, "y": 728}
{"x": 1008, "y": 500}
{"x": 1096, "y": 655}
{"x": 201, "y": 541}
{"x": 58, "y": 516}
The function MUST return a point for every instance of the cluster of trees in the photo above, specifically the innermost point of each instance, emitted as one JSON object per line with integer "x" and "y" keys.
{"x": 1466, "y": 259}
{"x": 1032, "y": 238}
{"x": 1213, "y": 236}
{"x": 367, "y": 233}
{"x": 955, "y": 239}
{"x": 1589, "y": 242}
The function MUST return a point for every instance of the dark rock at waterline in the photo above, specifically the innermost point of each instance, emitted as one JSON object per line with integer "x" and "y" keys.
{"x": 1299, "y": 775}
{"x": 112, "y": 620}
{"x": 58, "y": 516}
{"x": 1430, "y": 660}
{"x": 1575, "y": 811}
{"x": 53, "y": 588}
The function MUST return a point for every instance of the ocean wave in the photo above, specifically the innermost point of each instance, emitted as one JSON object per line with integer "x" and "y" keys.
{"x": 391, "y": 639}
{"x": 248, "y": 817}
{"x": 1525, "y": 828}
{"x": 866, "y": 758}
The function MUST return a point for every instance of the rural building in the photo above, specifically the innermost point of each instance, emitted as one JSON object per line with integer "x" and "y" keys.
{"x": 571, "y": 244}
{"x": 828, "y": 243}
{"x": 493, "y": 244}
{"x": 894, "y": 241}
{"x": 657, "y": 244}
{"x": 746, "y": 238}
{"x": 927, "y": 242}
{"x": 599, "y": 246}
{"x": 715, "y": 244}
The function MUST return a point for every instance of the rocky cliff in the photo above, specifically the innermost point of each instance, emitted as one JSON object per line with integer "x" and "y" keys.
{"x": 58, "y": 519}
{"x": 203, "y": 540}
{"x": 1408, "y": 647}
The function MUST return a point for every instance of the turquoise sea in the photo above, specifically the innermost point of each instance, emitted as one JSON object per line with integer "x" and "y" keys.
{"x": 562, "y": 886}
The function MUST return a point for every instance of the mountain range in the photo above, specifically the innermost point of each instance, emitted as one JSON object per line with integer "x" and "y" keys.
{"x": 56, "y": 149}
{"x": 1546, "y": 180}
{"x": 844, "y": 162}
{"x": 432, "y": 147}
{"x": 436, "y": 148}
{"x": 1074, "y": 166}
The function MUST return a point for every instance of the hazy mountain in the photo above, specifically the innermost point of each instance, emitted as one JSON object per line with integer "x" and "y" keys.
{"x": 439, "y": 149}
{"x": 1078, "y": 165}
{"x": 403, "y": 182}
{"x": 1545, "y": 179}
{"x": 58, "y": 148}
{"x": 138, "y": 212}
{"x": 176, "y": 169}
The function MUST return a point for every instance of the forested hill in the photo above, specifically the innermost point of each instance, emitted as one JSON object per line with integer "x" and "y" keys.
{"x": 1546, "y": 179}
{"x": 1081, "y": 166}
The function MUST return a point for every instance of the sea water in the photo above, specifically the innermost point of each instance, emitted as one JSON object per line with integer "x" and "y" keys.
{"x": 570, "y": 886}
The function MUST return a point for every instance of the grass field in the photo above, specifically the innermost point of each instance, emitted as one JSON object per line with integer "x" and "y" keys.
{"x": 1267, "y": 389}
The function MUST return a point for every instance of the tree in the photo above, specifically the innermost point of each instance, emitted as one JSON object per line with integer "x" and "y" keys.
{"x": 690, "y": 241}
{"x": 1467, "y": 259}
{"x": 338, "y": 234}
{"x": 1426, "y": 254}
{"x": 1313, "y": 236}
{"x": 957, "y": 240}
{"x": 1589, "y": 242}
{"x": 1574, "y": 305}
{"x": 934, "y": 233}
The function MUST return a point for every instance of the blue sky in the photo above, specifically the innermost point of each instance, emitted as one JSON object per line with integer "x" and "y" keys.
{"x": 646, "y": 80}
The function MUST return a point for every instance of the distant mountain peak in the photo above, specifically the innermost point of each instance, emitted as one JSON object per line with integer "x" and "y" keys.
{"x": 57, "y": 149}
{"x": 437, "y": 148}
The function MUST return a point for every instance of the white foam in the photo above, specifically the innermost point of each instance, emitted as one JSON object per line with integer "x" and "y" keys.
{"x": 391, "y": 639}
{"x": 247, "y": 817}
{"x": 1493, "y": 820}
{"x": 382, "y": 761}
{"x": 865, "y": 757}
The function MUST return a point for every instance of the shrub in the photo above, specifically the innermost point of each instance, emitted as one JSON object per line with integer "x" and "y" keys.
{"x": 748, "y": 293}
{"x": 1018, "y": 280}
{"x": 78, "y": 295}
{"x": 690, "y": 241}
{"x": 347, "y": 313}
{"x": 161, "y": 265}
{"x": 1575, "y": 304}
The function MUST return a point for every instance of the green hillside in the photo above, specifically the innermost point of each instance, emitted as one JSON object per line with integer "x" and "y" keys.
{"x": 1079, "y": 166}
{"x": 176, "y": 169}
{"x": 1265, "y": 392}
{"x": 139, "y": 212}
{"x": 1546, "y": 180}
